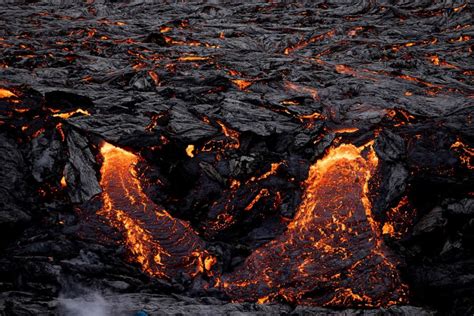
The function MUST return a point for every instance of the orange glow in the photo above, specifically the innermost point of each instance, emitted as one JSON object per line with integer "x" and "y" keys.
{"x": 289, "y": 102}
{"x": 466, "y": 153}
{"x": 273, "y": 169}
{"x": 263, "y": 300}
{"x": 334, "y": 223}
{"x": 19, "y": 110}
{"x": 312, "y": 116}
{"x": 411, "y": 78}
{"x": 67, "y": 115}
{"x": 399, "y": 219}
{"x": 436, "y": 61}
{"x": 189, "y": 151}
{"x": 4, "y": 93}
{"x": 354, "y": 31}
{"x": 303, "y": 43}
{"x": 261, "y": 193}
{"x": 154, "y": 77}
{"x": 38, "y": 133}
{"x": 230, "y": 133}
{"x": 388, "y": 229}
{"x": 343, "y": 69}
{"x": 402, "y": 117}
{"x": 457, "y": 9}
{"x": 313, "y": 92}
{"x": 347, "y": 130}
{"x": 205, "y": 262}
{"x": 242, "y": 84}
{"x": 462, "y": 38}
{"x": 165, "y": 29}
{"x": 63, "y": 182}
{"x": 162, "y": 245}
{"x": 193, "y": 58}
{"x": 234, "y": 72}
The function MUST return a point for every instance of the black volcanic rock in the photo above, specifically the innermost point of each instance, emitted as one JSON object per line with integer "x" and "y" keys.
{"x": 13, "y": 210}
{"x": 79, "y": 171}
{"x": 224, "y": 103}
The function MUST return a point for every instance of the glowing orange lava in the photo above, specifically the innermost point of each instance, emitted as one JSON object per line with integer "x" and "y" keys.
{"x": 4, "y": 93}
{"x": 190, "y": 150}
{"x": 67, "y": 115}
{"x": 193, "y": 58}
{"x": 466, "y": 153}
{"x": 332, "y": 252}
{"x": 313, "y": 92}
{"x": 242, "y": 84}
{"x": 162, "y": 245}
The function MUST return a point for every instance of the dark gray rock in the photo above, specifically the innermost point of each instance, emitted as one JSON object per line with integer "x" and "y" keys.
{"x": 431, "y": 222}
{"x": 389, "y": 147}
{"x": 187, "y": 127}
{"x": 12, "y": 184}
{"x": 81, "y": 177}
{"x": 462, "y": 207}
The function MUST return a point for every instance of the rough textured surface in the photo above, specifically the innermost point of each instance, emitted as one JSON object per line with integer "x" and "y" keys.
{"x": 13, "y": 179}
{"x": 228, "y": 105}
{"x": 129, "y": 304}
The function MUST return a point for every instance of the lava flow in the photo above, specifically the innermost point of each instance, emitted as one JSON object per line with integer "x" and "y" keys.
{"x": 331, "y": 253}
{"x": 162, "y": 245}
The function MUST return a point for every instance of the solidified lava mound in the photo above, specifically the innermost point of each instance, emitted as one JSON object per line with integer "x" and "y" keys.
{"x": 214, "y": 158}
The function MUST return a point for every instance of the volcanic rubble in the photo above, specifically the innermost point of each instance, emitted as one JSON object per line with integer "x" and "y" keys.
{"x": 259, "y": 158}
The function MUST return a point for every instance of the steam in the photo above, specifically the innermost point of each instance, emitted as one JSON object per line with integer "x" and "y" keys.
{"x": 79, "y": 300}
{"x": 92, "y": 304}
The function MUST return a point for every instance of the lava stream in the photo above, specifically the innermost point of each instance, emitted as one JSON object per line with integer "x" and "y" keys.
{"x": 332, "y": 252}
{"x": 164, "y": 246}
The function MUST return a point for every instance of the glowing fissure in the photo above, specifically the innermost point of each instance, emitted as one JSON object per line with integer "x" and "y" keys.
{"x": 331, "y": 253}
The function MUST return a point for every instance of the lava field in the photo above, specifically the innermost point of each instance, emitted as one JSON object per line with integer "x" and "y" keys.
{"x": 224, "y": 158}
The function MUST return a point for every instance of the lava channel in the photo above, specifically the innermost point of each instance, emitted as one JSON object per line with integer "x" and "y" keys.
{"x": 164, "y": 246}
{"x": 331, "y": 253}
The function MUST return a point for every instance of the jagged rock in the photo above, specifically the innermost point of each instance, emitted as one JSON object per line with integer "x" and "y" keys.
{"x": 463, "y": 207}
{"x": 393, "y": 185}
{"x": 44, "y": 156}
{"x": 431, "y": 222}
{"x": 12, "y": 184}
{"x": 187, "y": 127}
{"x": 65, "y": 101}
{"x": 288, "y": 78}
{"x": 80, "y": 174}
{"x": 390, "y": 147}
{"x": 113, "y": 127}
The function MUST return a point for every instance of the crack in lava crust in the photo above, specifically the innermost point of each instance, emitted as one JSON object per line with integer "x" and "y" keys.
{"x": 332, "y": 252}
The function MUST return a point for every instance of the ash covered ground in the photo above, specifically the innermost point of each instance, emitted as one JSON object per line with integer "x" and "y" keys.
{"x": 223, "y": 158}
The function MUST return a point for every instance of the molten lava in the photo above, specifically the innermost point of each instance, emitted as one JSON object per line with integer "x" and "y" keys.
{"x": 332, "y": 252}
{"x": 67, "y": 115}
{"x": 4, "y": 93}
{"x": 162, "y": 245}
{"x": 242, "y": 84}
